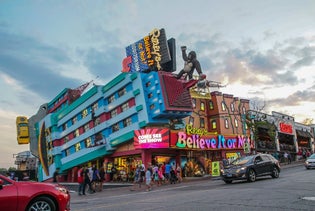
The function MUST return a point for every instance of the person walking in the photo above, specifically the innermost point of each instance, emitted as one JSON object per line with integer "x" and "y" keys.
{"x": 56, "y": 176}
{"x": 148, "y": 178}
{"x": 81, "y": 180}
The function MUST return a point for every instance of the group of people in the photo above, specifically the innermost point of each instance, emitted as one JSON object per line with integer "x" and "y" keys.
{"x": 157, "y": 175}
{"x": 90, "y": 177}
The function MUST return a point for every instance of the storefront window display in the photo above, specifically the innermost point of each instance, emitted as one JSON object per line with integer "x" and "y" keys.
{"x": 125, "y": 167}
{"x": 199, "y": 163}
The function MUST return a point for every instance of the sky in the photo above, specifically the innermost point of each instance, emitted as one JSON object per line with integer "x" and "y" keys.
{"x": 263, "y": 51}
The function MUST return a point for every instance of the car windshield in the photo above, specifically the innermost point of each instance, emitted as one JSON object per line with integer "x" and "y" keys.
{"x": 312, "y": 156}
{"x": 242, "y": 160}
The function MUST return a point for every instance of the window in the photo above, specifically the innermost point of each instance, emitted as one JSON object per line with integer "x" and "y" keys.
{"x": 67, "y": 152}
{"x": 77, "y": 147}
{"x": 64, "y": 126}
{"x": 193, "y": 102}
{"x": 115, "y": 127}
{"x": 125, "y": 106}
{"x": 191, "y": 121}
{"x": 211, "y": 105}
{"x": 202, "y": 122}
{"x": 85, "y": 113}
{"x": 76, "y": 133}
{"x": 150, "y": 95}
{"x": 86, "y": 127}
{"x": 122, "y": 92}
{"x": 244, "y": 110}
{"x": 223, "y": 106}
{"x": 214, "y": 124}
{"x": 66, "y": 139}
{"x": 232, "y": 107}
{"x": 127, "y": 122}
{"x": 88, "y": 142}
{"x": 148, "y": 84}
{"x": 202, "y": 106}
{"x": 97, "y": 121}
{"x": 226, "y": 123}
{"x": 235, "y": 122}
{"x": 74, "y": 120}
{"x": 113, "y": 113}
{"x": 152, "y": 106}
{"x": 95, "y": 106}
{"x": 111, "y": 99}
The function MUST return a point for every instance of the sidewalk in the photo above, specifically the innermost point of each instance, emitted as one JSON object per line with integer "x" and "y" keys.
{"x": 73, "y": 187}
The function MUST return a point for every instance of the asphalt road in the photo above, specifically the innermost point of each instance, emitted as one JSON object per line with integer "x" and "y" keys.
{"x": 294, "y": 190}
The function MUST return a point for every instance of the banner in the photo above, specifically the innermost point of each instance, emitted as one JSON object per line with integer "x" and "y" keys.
{"x": 151, "y": 138}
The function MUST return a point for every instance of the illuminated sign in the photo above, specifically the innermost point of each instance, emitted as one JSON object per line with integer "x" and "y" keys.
{"x": 285, "y": 128}
{"x": 215, "y": 170}
{"x": 151, "y": 138}
{"x": 148, "y": 53}
{"x": 195, "y": 138}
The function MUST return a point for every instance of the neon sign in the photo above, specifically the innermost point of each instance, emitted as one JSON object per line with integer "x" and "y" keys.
{"x": 218, "y": 142}
{"x": 151, "y": 138}
{"x": 285, "y": 128}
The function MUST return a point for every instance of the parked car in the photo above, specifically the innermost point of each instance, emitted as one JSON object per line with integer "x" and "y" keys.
{"x": 32, "y": 196}
{"x": 310, "y": 162}
{"x": 250, "y": 167}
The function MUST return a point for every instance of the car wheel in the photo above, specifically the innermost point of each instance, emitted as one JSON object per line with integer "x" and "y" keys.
{"x": 42, "y": 203}
{"x": 275, "y": 173}
{"x": 251, "y": 176}
{"x": 228, "y": 181}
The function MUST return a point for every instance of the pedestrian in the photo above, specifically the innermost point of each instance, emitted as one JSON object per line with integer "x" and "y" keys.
{"x": 25, "y": 176}
{"x": 179, "y": 173}
{"x": 289, "y": 158}
{"x": 102, "y": 175}
{"x": 96, "y": 179}
{"x": 112, "y": 173}
{"x": 168, "y": 168}
{"x": 81, "y": 180}
{"x": 87, "y": 181}
{"x": 137, "y": 178}
{"x": 56, "y": 176}
{"x": 285, "y": 155}
{"x": 148, "y": 178}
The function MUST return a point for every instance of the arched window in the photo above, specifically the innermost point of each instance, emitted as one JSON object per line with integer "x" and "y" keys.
{"x": 235, "y": 122}
{"x": 226, "y": 123}
{"x": 223, "y": 106}
{"x": 214, "y": 124}
{"x": 211, "y": 107}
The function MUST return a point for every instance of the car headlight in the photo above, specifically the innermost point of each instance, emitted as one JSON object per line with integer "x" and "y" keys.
{"x": 62, "y": 189}
{"x": 241, "y": 169}
{"x": 306, "y": 162}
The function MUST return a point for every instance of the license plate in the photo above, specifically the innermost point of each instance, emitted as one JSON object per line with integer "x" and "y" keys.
{"x": 229, "y": 175}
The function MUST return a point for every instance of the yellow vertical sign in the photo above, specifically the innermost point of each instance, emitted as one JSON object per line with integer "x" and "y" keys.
{"x": 215, "y": 168}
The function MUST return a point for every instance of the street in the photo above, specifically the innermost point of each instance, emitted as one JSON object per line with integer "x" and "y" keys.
{"x": 293, "y": 190}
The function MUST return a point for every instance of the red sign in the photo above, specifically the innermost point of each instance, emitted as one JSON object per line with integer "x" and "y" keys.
{"x": 285, "y": 128}
{"x": 151, "y": 138}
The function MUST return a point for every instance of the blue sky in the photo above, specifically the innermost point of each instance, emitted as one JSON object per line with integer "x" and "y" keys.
{"x": 262, "y": 50}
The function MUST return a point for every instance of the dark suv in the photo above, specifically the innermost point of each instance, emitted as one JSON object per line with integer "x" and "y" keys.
{"x": 250, "y": 167}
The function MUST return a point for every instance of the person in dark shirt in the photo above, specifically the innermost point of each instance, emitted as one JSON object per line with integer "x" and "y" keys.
{"x": 55, "y": 176}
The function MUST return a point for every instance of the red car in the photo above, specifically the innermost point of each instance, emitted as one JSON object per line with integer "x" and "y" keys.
{"x": 32, "y": 196}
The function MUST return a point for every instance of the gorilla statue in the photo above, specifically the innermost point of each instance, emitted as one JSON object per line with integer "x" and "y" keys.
{"x": 191, "y": 63}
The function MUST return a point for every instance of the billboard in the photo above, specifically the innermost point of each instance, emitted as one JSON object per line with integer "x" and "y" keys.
{"x": 149, "y": 53}
{"x": 151, "y": 138}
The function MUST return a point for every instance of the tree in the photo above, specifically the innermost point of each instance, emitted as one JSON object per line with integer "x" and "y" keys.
{"x": 307, "y": 121}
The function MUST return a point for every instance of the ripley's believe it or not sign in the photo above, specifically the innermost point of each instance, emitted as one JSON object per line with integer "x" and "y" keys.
{"x": 192, "y": 138}
{"x": 148, "y": 53}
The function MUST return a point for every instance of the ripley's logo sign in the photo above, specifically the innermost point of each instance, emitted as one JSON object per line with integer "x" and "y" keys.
{"x": 149, "y": 53}
{"x": 202, "y": 140}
